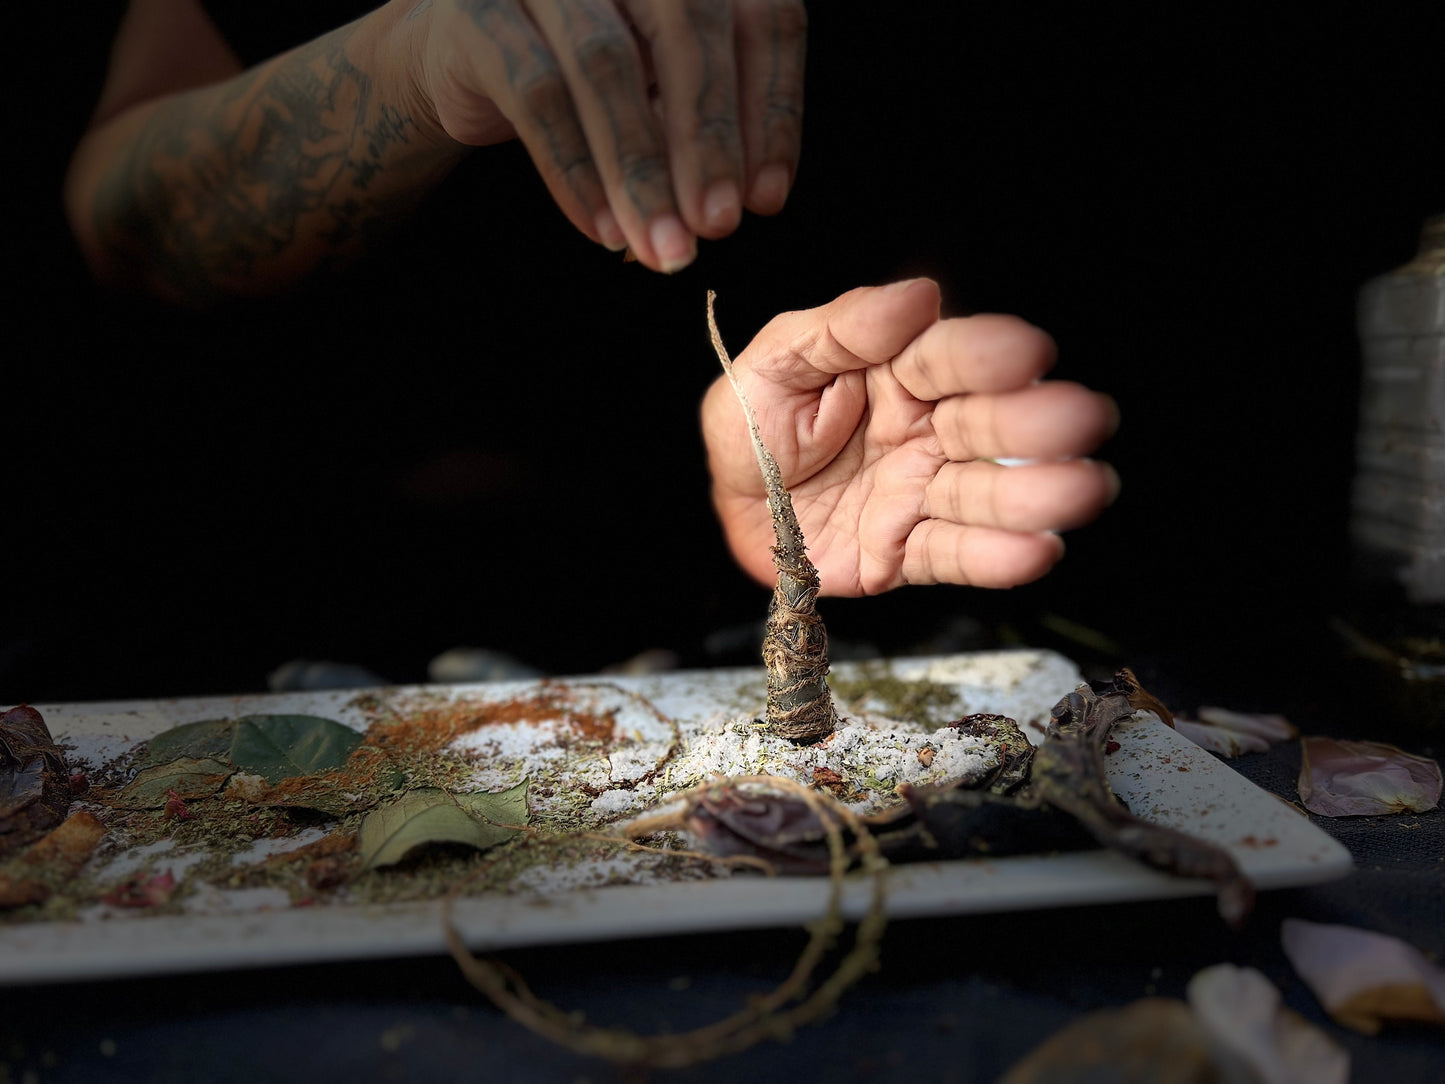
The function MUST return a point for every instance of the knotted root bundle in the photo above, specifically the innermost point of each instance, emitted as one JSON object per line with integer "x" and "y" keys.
{"x": 795, "y": 643}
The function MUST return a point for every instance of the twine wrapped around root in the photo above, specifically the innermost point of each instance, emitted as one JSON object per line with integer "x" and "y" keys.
{"x": 775, "y": 1015}
{"x": 795, "y": 643}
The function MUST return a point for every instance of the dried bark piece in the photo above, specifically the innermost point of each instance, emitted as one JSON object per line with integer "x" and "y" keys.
{"x": 1365, "y": 778}
{"x": 34, "y": 781}
{"x": 35, "y": 875}
{"x": 1068, "y": 774}
{"x": 795, "y": 643}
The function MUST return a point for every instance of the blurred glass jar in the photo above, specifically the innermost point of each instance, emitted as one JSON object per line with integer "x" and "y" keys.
{"x": 1397, "y": 518}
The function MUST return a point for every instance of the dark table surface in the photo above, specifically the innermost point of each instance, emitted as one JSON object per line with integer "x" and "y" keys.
{"x": 955, "y": 999}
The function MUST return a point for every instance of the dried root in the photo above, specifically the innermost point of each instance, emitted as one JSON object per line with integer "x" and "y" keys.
{"x": 775, "y": 1015}
{"x": 795, "y": 643}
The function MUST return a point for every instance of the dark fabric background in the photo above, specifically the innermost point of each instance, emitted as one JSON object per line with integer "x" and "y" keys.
{"x": 487, "y": 435}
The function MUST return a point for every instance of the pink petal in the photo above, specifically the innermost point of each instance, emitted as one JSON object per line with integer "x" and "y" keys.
{"x": 1363, "y": 978}
{"x": 1365, "y": 778}
{"x": 1272, "y": 728}
{"x": 1241, "y": 1010}
{"x": 1230, "y": 733}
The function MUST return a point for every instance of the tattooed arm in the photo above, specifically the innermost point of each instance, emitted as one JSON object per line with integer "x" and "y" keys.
{"x": 199, "y": 180}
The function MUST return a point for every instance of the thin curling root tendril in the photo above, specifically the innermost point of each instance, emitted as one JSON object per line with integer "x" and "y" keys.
{"x": 795, "y": 643}
{"x": 775, "y": 1015}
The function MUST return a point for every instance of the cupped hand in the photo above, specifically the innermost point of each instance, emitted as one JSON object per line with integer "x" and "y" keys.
{"x": 885, "y": 421}
{"x": 574, "y": 79}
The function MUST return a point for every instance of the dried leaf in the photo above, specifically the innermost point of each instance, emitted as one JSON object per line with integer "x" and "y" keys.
{"x": 274, "y": 747}
{"x": 185, "y": 778}
{"x": 1365, "y": 778}
{"x": 431, "y": 815}
{"x": 34, "y": 782}
{"x": 32, "y": 877}
{"x": 1363, "y": 978}
{"x": 209, "y": 738}
{"x": 1241, "y": 1009}
{"x": 277, "y": 747}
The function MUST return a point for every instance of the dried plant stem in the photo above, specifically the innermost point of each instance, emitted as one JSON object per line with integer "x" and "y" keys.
{"x": 795, "y": 643}
{"x": 767, "y": 1017}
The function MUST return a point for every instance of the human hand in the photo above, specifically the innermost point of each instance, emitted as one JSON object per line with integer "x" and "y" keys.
{"x": 883, "y": 419}
{"x": 571, "y": 79}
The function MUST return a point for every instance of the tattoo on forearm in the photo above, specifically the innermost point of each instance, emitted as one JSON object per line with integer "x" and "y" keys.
{"x": 227, "y": 183}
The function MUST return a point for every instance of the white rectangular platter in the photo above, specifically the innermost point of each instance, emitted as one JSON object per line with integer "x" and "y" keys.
{"x": 1159, "y": 774}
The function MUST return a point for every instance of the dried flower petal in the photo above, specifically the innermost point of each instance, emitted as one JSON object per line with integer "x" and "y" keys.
{"x": 1154, "y": 1039}
{"x": 142, "y": 891}
{"x": 1363, "y": 978}
{"x": 1365, "y": 778}
{"x": 1241, "y": 1011}
{"x": 1230, "y": 733}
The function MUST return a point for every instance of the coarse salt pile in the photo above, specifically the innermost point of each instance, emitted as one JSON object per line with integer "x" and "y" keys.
{"x": 867, "y": 762}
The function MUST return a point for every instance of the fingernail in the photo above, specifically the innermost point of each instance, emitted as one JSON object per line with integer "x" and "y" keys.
{"x": 1111, "y": 478}
{"x": 902, "y": 286}
{"x": 1115, "y": 417}
{"x": 674, "y": 245}
{"x": 722, "y": 207}
{"x": 607, "y": 228}
{"x": 770, "y": 190}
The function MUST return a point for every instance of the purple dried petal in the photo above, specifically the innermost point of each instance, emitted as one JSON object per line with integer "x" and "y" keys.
{"x": 1364, "y": 778}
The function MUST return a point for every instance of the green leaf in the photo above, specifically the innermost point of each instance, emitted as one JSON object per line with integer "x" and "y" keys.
{"x": 431, "y": 815}
{"x": 209, "y": 738}
{"x": 189, "y": 777}
{"x": 277, "y": 747}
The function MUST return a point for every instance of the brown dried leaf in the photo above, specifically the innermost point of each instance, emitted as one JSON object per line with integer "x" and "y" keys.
{"x": 34, "y": 876}
{"x": 1365, "y": 778}
{"x": 34, "y": 782}
{"x": 184, "y": 779}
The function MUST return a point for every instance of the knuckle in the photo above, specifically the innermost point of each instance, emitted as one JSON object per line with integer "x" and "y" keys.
{"x": 716, "y": 129}
{"x": 642, "y": 169}
{"x": 708, "y": 18}
{"x": 790, "y": 21}
{"x": 605, "y": 59}
{"x": 543, "y": 94}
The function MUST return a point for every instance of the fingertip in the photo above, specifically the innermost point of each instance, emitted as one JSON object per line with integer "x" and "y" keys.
{"x": 1114, "y": 485}
{"x": 770, "y": 190}
{"x": 609, "y": 233}
{"x": 722, "y": 209}
{"x": 1114, "y": 417}
{"x": 672, "y": 243}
